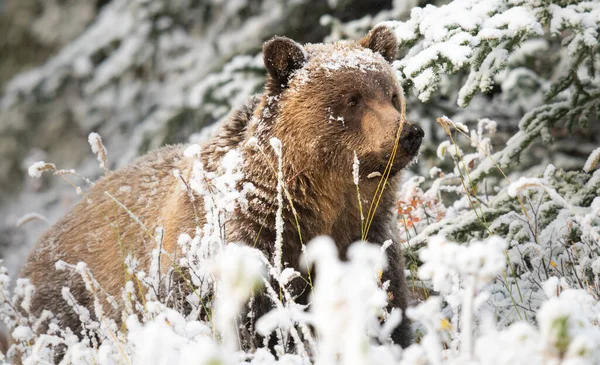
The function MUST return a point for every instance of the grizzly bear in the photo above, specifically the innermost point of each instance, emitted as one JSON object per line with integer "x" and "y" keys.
{"x": 326, "y": 103}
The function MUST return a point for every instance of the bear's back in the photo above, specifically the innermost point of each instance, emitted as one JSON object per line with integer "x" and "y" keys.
{"x": 116, "y": 217}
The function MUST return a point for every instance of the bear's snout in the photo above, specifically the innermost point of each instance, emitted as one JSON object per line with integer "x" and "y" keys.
{"x": 411, "y": 137}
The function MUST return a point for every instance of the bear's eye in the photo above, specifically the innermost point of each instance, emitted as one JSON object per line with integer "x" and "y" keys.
{"x": 353, "y": 101}
{"x": 396, "y": 101}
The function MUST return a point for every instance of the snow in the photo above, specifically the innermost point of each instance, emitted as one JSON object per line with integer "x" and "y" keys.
{"x": 592, "y": 160}
{"x": 456, "y": 55}
{"x": 22, "y": 333}
{"x": 98, "y": 148}
{"x": 405, "y": 32}
{"x": 523, "y": 183}
{"x": 512, "y": 22}
{"x": 37, "y": 168}
{"x": 192, "y": 151}
{"x": 343, "y": 57}
{"x": 443, "y": 260}
{"x": 442, "y": 148}
{"x": 336, "y": 300}
{"x": 554, "y": 286}
{"x": 359, "y": 59}
{"x": 239, "y": 270}
{"x": 448, "y": 38}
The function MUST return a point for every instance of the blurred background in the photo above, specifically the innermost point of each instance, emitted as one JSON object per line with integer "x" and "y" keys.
{"x": 144, "y": 73}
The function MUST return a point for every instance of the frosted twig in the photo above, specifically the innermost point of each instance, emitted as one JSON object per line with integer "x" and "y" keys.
{"x": 592, "y": 160}
{"x": 99, "y": 150}
{"x": 129, "y": 212}
{"x": 276, "y": 144}
{"x": 30, "y": 217}
{"x": 36, "y": 169}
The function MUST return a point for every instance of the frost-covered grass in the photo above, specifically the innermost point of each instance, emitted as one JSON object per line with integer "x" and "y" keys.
{"x": 508, "y": 259}
{"x": 526, "y": 291}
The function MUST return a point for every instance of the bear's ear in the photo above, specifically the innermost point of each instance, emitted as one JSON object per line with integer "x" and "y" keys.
{"x": 283, "y": 56}
{"x": 382, "y": 40}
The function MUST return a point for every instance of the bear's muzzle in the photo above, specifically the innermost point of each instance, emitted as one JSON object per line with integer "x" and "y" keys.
{"x": 411, "y": 138}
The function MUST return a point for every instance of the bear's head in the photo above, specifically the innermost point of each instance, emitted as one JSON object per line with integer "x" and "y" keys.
{"x": 329, "y": 101}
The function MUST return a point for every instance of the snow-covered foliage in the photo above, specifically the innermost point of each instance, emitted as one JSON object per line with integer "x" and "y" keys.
{"x": 500, "y": 219}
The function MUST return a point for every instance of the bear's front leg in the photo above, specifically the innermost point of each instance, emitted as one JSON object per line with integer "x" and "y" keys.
{"x": 383, "y": 229}
{"x": 398, "y": 293}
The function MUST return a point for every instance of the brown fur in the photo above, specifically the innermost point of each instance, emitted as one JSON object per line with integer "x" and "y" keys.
{"x": 304, "y": 96}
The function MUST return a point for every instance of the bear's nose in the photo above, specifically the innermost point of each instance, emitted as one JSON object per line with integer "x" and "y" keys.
{"x": 411, "y": 138}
